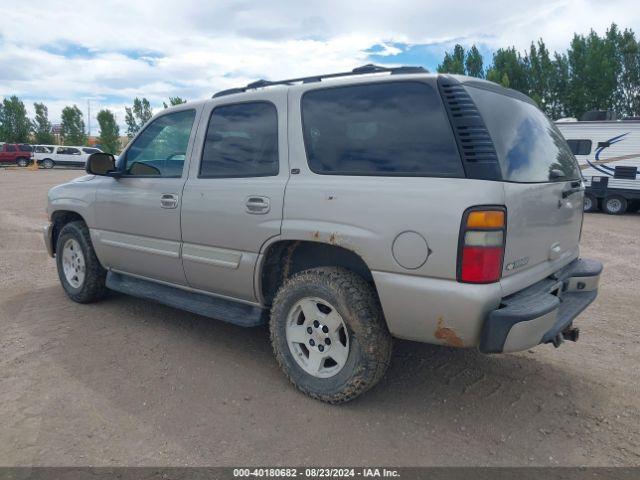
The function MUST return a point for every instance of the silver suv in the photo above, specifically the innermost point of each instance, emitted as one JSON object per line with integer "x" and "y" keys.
{"x": 343, "y": 210}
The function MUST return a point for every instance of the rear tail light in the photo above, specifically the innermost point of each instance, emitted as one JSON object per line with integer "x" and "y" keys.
{"x": 481, "y": 250}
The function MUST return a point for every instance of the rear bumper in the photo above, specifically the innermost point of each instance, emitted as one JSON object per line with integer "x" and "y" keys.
{"x": 539, "y": 313}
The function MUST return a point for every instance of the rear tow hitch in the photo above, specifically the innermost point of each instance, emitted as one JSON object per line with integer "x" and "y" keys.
{"x": 571, "y": 334}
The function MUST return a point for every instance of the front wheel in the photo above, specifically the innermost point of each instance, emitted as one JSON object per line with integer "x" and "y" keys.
{"x": 80, "y": 272}
{"x": 615, "y": 205}
{"x": 329, "y": 335}
{"x": 23, "y": 162}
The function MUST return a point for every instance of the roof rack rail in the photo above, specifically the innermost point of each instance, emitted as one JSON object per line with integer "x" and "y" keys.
{"x": 363, "y": 70}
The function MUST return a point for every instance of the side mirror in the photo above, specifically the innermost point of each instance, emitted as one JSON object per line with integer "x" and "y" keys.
{"x": 555, "y": 173}
{"x": 101, "y": 164}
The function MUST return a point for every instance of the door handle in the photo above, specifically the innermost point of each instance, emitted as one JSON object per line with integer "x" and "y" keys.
{"x": 169, "y": 200}
{"x": 258, "y": 205}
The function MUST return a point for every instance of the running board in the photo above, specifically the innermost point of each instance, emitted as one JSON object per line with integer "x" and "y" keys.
{"x": 213, "y": 307}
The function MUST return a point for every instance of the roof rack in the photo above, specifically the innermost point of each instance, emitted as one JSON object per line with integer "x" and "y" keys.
{"x": 364, "y": 70}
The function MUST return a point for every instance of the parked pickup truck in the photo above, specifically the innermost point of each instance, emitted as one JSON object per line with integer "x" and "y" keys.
{"x": 15, "y": 154}
{"x": 343, "y": 210}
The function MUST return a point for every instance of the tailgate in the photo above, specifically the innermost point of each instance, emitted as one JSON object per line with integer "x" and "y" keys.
{"x": 542, "y": 185}
{"x": 543, "y": 226}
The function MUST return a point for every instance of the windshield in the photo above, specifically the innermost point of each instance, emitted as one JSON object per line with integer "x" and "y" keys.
{"x": 529, "y": 146}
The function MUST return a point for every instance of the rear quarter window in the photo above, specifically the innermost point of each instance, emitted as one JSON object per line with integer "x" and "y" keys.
{"x": 530, "y": 147}
{"x": 383, "y": 129}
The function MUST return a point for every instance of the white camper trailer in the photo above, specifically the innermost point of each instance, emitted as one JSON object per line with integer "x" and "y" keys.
{"x": 608, "y": 153}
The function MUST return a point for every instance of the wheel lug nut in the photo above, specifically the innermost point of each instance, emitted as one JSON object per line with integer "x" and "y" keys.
{"x": 321, "y": 348}
{"x": 311, "y": 342}
{"x": 316, "y": 323}
{"x": 325, "y": 329}
{"x": 309, "y": 330}
{"x": 327, "y": 341}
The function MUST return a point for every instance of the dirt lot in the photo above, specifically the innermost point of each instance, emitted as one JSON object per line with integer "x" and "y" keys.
{"x": 129, "y": 382}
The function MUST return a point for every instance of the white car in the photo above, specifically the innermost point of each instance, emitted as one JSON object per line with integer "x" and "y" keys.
{"x": 51, "y": 155}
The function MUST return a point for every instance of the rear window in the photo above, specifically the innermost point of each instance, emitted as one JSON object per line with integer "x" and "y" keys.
{"x": 393, "y": 129}
{"x": 580, "y": 147}
{"x": 529, "y": 146}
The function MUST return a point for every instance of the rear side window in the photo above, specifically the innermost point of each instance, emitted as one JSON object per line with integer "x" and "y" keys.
{"x": 384, "y": 129}
{"x": 11, "y": 148}
{"x": 68, "y": 151}
{"x": 580, "y": 147}
{"x": 530, "y": 148}
{"x": 242, "y": 141}
{"x": 91, "y": 150}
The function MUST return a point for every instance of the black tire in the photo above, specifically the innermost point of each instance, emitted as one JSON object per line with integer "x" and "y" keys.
{"x": 22, "y": 162}
{"x": 48, "y": 163}
{"x": 590, "y": 203}
{"x": 370, "y": 343}
{"x": 93, "y": 287}
{"x": 615, "y": 205}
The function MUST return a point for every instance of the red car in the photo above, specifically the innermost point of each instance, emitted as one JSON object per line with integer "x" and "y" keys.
{"x": 16, "y": 154}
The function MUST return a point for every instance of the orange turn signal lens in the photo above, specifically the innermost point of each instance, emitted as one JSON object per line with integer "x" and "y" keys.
{"x": 486, "y": 219}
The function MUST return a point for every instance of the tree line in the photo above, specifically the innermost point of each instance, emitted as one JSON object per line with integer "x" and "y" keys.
{"x": 595, "y": 73}
{"x": 17, "y": 127}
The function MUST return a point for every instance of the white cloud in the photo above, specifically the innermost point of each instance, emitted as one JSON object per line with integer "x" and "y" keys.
{"x": 64, "y": 52}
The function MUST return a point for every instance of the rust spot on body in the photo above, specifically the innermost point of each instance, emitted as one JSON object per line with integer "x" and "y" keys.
{"x": 448, "y": 335}
{"x": 332, "y": 239}
{"x": 316, "y": 235}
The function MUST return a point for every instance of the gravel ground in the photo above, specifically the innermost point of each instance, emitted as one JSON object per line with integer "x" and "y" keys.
{"x": 129, "y": 382}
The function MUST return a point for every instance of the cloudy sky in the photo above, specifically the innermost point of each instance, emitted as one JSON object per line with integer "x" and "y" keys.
{"x": 109, "y": 51}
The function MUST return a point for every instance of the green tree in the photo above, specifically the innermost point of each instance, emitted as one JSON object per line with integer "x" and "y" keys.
{"x": 539, "y": 68}
{"x": 41, "y": 126}
{"x": 473, "y": 63}
{"x": 137, "y": 116}
{"x": 72, "y": 128}
{"x": 109, "y": 136}
{"x": 627, "y": 95}
{"x": 594, "y": 69}
{"x": 453, "y": 62}
{"x": 174, "y": 101}
{"x": 559, "y": 86}
{"x": 14, "y": 123}
{"x": 509, "y": 69}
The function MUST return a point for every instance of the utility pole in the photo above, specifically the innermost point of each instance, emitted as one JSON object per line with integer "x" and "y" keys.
{"x": 88, "y": 120}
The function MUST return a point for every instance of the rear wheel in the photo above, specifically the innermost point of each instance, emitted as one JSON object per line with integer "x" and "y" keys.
{"x": 590, "y": 203}
{"x": 80, "y": 272}
{"x": 615, "y": 205}
{"x": 329, "y": 335}
{"x": 48, "y": 163}
{"x": 23, "y": 162}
